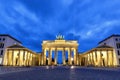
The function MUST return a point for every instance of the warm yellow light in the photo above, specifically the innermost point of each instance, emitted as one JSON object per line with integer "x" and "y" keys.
{"x": 71, "y": 59}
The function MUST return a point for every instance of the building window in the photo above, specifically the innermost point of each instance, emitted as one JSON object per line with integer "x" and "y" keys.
{"x": 3, "y": 39}
{"x": 118, "y": 45}
{"x": 118, "y": 52}
{"x": 116, "y": 39}
{"x": 1, "y": 45}
{"x": 119, "y": 61}
{"x": 1, "y": 52}
{"x": 104, "y": 43}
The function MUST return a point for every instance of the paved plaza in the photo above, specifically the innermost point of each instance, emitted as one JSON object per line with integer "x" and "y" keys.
{"x": 59, "y": 73}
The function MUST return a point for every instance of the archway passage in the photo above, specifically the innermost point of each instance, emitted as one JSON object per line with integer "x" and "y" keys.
{"x": 66, "y": 49}
{"x": 59, "y": 61}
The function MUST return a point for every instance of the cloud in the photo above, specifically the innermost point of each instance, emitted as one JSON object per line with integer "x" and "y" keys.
{"x": 24, "y": 12}
{"x": 32, "y": 21}
{"x": 96, "y": 29}
{"x": 67, "y": 2}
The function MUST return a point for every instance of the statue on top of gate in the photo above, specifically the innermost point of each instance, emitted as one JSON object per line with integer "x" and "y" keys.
{"x": 60, "y": 37}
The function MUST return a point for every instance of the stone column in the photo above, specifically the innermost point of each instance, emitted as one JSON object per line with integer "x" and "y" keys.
{"x": 55, "y": 56}
{"x": 69, "y": 56}
{"x": 112, "y": 58}
{"x": 63, "y": 56}
{"x": 24, "y": 55}
{"x": 50, "y": 56}
{"x": 13, "y": 61}
{"x": 30, "y": 56}
{"x": 27, "y": 59}
{"x": 20, "y": 61}
{"x": 100, "y": 63}
{"x": 5, "y": 57}
{"x": 31, "y": 59}
{"x": 88, "y": 61}
{"x": 75, "y": 56}
{"x": 107, "y": 58}
{"x": 10, "y": 57}
{"x": 44, "y": 56}
{"x": 18, "y": 58}
{"x": 85, "y": 61}
{"x": 80, "y": 60}
{"x": 22, "y": 58}
{"x": 77, "y": 61}
{"x": 93, "y": 59}
{"x": 40, "y": 59}
{"x": 96, "y": 56}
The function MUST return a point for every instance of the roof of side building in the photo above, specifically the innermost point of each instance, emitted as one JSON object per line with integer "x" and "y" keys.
{"x": 104, "y": 46}
{"x": 114, "y": 35}
{"x": 16, "y": 46}
{"x": 10, "y": 37}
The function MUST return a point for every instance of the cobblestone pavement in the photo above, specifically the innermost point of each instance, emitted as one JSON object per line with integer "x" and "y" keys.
{"x": 7, "y": 69}
{"x": 59, "y": 73}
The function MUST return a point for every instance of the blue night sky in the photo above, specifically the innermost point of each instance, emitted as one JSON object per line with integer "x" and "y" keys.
{"x": 32, "y": 21}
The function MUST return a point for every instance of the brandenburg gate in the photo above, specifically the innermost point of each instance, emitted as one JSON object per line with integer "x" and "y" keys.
{"x": 48, "y": 47}
{"x": 102, "y": 55}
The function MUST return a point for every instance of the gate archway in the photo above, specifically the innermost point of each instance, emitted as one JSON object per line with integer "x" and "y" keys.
{"x": 59, "y": 45}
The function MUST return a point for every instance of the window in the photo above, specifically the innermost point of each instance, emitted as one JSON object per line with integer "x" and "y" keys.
{"x": 116, "y": 39}
{"x": 3, "y": 39}
{"x": 1, "y": 45}
{"x": 118, "y": 52}
{"x": 118, "y": 45}
{"x": 104, "y": 43}
{"x": 1, "y": 52}
{"x": 0, "y": 39}
{"x": 119, "y": 61}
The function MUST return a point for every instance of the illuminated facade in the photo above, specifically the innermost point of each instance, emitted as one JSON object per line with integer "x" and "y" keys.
{"x": 6, "y": 41}
{"x": 101, "y": 56}
{"x": 113, "y": 41}
{"x": 60, "y": 45}
{"x": 17, "y": 55}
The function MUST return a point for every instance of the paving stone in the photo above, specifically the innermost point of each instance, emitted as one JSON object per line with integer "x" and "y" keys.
{"x": 59, "y": 73}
